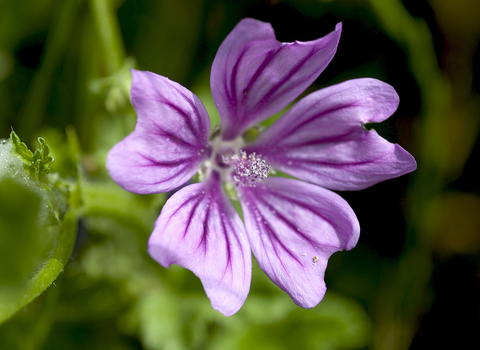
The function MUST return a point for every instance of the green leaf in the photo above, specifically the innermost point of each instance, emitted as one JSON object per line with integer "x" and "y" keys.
{"x": 131, "y": 210}
{"x": 20, "y": 149}
{"x": 66, "y": 232}
{"x": 28, "y": 265}
{"x": 43, "y": 159}
{"x": 19, "y": 241}
{"x": 37, "y": 164}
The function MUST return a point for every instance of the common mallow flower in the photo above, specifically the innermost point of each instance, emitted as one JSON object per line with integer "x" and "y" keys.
{"x": 292, "y": 226}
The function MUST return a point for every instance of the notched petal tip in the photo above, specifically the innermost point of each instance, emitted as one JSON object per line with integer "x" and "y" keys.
{"x": 354, "y": 235}
{"x": 254, "y": 26}
{"x": 383, "y": 97}
{"x": 407, "y": 162}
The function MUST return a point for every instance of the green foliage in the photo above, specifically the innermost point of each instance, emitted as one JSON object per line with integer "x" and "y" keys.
{"x": 116, "y": 87}
{"x": 37, "y": 225}
{"x": 336, "y": 323}
{"x": 113, "y": 283}
{"x": 32, "y": 254}
{"x": 37, "y": 164}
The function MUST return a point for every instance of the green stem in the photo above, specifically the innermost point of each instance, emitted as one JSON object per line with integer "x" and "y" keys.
{"x": 109, "y": 33}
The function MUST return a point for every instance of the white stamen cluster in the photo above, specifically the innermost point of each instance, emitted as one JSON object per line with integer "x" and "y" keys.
{"x": 248, "y": 169}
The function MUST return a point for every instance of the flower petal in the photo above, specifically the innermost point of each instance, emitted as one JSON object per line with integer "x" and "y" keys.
{"x": 200, "y": 230}
{"x": 170, "y": 139}
{"x": 255, "y": 76}
{"x": 293, "y": 228}
{"x": 322, "y": 138}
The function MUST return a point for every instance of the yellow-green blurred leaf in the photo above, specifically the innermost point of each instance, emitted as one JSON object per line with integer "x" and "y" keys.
{"x": 455, "y": 223}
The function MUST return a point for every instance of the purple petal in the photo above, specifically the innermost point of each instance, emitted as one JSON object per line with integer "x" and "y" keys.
{"x": 322, "y": 138}
{"x": 293, "y": 228}
{"x": 200, "y": 230}
{"x": 255, "y": 76}
{"x": 170, "y": 139}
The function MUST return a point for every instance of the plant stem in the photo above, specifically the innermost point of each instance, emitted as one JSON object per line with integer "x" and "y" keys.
{"x": 109, "y": 33}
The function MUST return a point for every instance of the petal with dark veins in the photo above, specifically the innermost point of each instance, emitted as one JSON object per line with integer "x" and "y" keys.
{"x": 255, "y": 76}
{"x": 322, "y": 138}
{"x": 293, "y": 228}
{"x": 170, "y": 139}
{"x": 200, "y": 230}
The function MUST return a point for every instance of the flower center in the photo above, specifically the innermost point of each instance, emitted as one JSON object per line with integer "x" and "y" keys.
{"x": 235, "y": 165}
{"x": 247, "y": 169}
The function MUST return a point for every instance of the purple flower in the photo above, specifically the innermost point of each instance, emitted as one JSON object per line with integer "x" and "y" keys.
{"x": 292, "y": 226}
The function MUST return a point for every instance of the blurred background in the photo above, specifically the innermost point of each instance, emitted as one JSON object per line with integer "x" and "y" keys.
{"x": 412, "y": 282}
